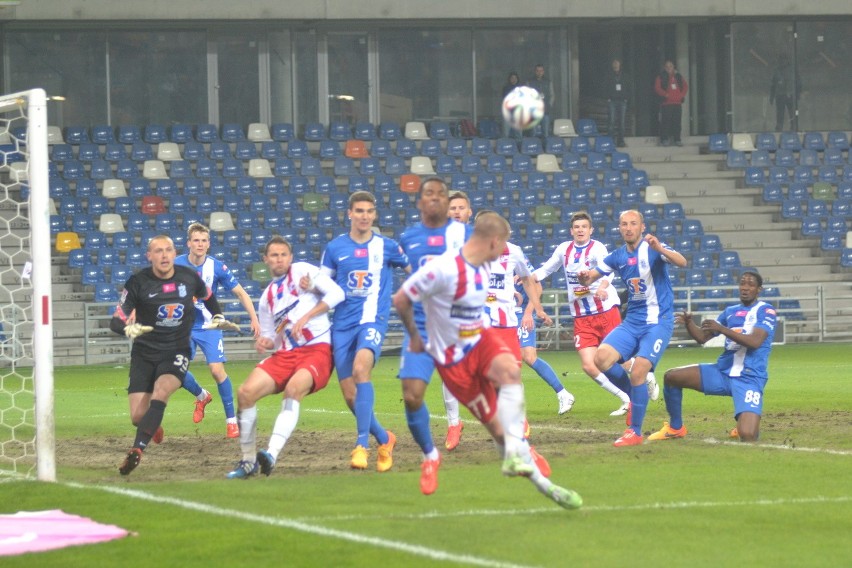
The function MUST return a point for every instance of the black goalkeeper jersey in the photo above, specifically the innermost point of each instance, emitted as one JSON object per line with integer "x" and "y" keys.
{"x": 166, "y": 304}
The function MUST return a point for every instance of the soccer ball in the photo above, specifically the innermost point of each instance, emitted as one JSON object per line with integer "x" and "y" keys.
{"x": 523, "y": 108}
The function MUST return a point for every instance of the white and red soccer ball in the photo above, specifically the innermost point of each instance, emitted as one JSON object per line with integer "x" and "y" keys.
{"x": 523, "y": 108}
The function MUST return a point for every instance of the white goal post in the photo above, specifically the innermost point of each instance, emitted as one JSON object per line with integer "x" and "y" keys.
{"x": 27, "y": 443}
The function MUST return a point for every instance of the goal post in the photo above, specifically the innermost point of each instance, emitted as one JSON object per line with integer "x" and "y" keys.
{"x": 27, "y": 436}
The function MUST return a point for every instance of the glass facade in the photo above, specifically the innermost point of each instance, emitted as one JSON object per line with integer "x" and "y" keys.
{"x": 271, "y": 73}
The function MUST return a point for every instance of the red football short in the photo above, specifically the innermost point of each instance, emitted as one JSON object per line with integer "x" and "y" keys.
{"x": 316, "y": 359}
{"x": 589, "y": 331}
{"x": 467, "y": 381}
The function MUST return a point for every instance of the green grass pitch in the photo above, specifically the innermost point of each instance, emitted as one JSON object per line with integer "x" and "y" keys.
{"x": 700, "y": 501}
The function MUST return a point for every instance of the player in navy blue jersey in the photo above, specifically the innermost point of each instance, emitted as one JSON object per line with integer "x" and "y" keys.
{"x": 215, "y": 274}
{"x": 435, "y": 234}
{"x": 741, "y": 370}
{"x": 157, "y": 311}
{"x": 649, "y": 320}
{"x": 362, "y": 263}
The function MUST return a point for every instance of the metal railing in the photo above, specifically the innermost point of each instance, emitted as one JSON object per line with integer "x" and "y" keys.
{"x": 807, "y": 316}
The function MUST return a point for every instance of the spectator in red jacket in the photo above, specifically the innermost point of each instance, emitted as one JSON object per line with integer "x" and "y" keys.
{"x": 672, "y": 88}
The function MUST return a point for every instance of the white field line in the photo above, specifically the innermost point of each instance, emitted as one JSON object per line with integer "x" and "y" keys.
{"x": 587, "y": 509}
{"x": 293, "y": 524}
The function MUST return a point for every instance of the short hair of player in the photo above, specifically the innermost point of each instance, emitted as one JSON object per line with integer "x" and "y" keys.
{"x": 196, "y": 228}
{"x": 757, "y": 277}
{"x": 160, "y": 238}
{"x": 436, "y": 179}
{"x": 580, "y": 216}
{"x": 277, "y": 240}
{"x": 361, "y": 196}
{"x": 636, "y": 211}
{"x": 460, "y": 195}
{"x": 489, "y": 224}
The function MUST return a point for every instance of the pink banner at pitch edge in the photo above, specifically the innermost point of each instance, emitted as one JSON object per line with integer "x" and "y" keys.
{"x": 35, "y": 531}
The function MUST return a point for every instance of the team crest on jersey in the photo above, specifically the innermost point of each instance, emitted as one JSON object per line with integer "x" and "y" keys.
{"x": 182, "y": 290}
{"x": 643, "y": 265}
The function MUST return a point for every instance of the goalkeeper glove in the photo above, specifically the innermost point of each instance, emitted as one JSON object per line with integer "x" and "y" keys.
{"x": 219, "y": 322}
{"x": 134, "y": 330}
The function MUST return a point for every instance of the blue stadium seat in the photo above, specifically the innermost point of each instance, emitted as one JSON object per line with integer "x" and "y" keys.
{"x": 220, "y": 186}
{"x": 562, "y": 180}
{"x": 114, "y": 152}
{"x": 786, "y": 158}
{"x": 804, "y": 174}
{"x": 718, "y": 143}
{"x": 141, "y": 151}
{"x": 571, "y": 161}
{"x": 580, "y": 196}
{"x": 666, "y": 230}
{"x": 471, "y": 164}
{"x": 813, "y": 141}
{"x": 206, "y": 133}
{"x": 456, "y": 147}
{"x": 828, "y": 174}
{"x": 692, "y": 228}
{"x": 838, "y": 139}
{"x": 842, "y": 206}
{"x": 811, "y": 226}
{"x": 439, "y": 130}
{"x": 736, "y": 159}
{"x": 395, "y": 166}
{"x": 765, "y": 141}
{"x": 596, "y": 161}
{"x": 522, "y": 164}
{"x": 531, "y": 146}
{"x": 604, "y": 144}
{"x": 431, "y": 148}
{"x": 390, "y": 131}
{"x": 537, "y": 181}
{"x": 310, "y": 167}
{"x": 129, "y": 133}
{"x": 364, "y": 131}
{"x": 631, "y": 196}
{"x": 637, "y": 178}
{"x": 580, "y": 145}
{"x": 778, "y": 174}
{"x": 344, "y": 167}
{"x": 673, "y": 211}
{"x": 461, "y": 182}
{"x": 233, "y": 132}
{"x": 701, "y": 260}
{"x": 817, "y": 207}
{"x": 512, "y": 181}
{"x": 154, "y": 134}
{"x": 833, "y": 157}
{"x": 791, "y": 209}
{"x": 494, "y": 163}
{"x": 695, "y": 278}
{"x": 554, "y": 145}
{"x": 798, "y": 191}
{"x": 846, "y": 258}
{"x": 773, "y": 193}
{"x": 282, "y": 131}
{"x": 587, "y": 179}
{"x": 729, "y": 259}
{"x": 755, "y": 176}
{"x": 406, "y": 148}
{"x": 486, "y": 182}
{"x": 587, "y": 127}
{"x": 480, "y": 147}
{"x": 790, "y": 141}
{"x": 97, "y": 205}
{"x": 446, "y": 165}
{"x": 340, "y": 131}
{"x": 271, "y": 150}
{"x": 621, "y": 161}
{"x": 181, "y": 133}
{"x": 809, "y": 157}
{"x": 684, "y": 245}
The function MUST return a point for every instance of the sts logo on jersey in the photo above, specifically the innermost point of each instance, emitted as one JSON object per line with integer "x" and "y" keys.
{"x": 359, "y": 282}
{"x": 637, "y": 288}
{"x": 169, "y": 315}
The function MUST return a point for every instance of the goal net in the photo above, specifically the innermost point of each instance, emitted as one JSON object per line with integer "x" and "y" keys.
{"x": 27, "y": 447}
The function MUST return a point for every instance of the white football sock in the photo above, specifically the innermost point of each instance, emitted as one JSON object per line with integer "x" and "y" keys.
{"x": 248, "y": 433}
{"x": 285, "y": 423}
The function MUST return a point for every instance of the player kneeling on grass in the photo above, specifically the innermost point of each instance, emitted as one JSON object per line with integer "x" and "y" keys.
{"x": 157, "y": 311}
{"x": 741, "y": 370}
{"x": 294, "y": 325}
{"x": 472, "y": 359}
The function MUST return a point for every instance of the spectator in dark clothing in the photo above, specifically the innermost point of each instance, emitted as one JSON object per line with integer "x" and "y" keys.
{"x": 784, "y": 92}
{"x": 619, "y": 89}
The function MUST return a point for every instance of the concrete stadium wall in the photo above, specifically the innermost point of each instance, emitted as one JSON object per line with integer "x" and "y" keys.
{"x": 331, "y": 10}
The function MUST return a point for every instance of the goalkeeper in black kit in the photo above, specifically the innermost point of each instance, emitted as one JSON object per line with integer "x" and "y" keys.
{"x": 156, "y": 310}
